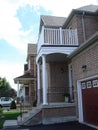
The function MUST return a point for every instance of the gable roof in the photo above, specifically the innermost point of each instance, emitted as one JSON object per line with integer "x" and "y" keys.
{"x": 24, "y": 78}
{"x": 53, "y": 20}
{"x": 89, "y": 8}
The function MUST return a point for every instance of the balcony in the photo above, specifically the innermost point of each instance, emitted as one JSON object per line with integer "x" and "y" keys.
{"x": 57, "y": 37}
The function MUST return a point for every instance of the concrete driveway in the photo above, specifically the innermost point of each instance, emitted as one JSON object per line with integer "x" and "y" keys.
{"x": 62, "y": 126}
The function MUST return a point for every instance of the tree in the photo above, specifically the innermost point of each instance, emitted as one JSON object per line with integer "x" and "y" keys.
{"x": 5, "y": 89}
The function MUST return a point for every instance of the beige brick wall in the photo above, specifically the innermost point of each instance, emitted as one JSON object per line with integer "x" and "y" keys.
{"x": 91, "y": 25}
{"x": 32, "y": 65}
{"x": 32, "y": 92}
{"x": 59, "y": 112}
{"x": 33, "y": 83}
{"x": 57, "y": 81}
{"x": 87, "y": 57}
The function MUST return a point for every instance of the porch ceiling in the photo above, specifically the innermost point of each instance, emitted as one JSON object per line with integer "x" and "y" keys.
{"x": 56, "y": 57}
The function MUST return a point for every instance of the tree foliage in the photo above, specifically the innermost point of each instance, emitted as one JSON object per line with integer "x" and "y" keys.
{"x": 5, "y": 89}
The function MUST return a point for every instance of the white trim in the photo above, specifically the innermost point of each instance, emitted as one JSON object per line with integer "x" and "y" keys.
{"x": 90, "y": 77}
{"x": 51, "y": 50}
{"x": 80, "y": 105}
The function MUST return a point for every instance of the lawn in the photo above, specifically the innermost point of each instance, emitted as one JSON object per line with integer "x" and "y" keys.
{"x": 9, "y": 115}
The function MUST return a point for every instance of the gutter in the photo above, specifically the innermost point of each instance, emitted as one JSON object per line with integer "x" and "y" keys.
{"x": 83, "y": 26}
{"x": 75, "y": 12}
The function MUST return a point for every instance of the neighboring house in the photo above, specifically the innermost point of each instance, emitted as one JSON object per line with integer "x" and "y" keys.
{"x": 27, "y": 83}
{"x": 67, "y": 62}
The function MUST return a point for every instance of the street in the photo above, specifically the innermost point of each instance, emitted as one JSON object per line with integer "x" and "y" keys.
{"x": 62, "y": 126}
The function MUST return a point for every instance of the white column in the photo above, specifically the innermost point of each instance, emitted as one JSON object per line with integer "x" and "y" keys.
{"x": 44, "y": 79}
{"x": 18, "y": 89}
{"x": 38, "y": 83}
{"x": 70, "y": 81}
{"x": 80, "y": 105}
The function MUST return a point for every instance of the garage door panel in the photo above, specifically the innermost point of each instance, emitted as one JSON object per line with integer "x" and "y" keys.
{"x": 90, "y": 105}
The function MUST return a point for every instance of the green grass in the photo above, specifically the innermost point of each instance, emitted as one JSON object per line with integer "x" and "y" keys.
{"x": 9, "y": 115}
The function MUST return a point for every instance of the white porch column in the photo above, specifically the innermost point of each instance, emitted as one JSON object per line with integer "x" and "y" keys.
{"x": 44, "y": 79}
{"x": 38, "y": 83}
{"x": 18, "y": 89}
{"x": 70, "y": 81}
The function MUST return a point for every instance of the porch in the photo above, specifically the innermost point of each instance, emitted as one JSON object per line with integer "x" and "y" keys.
{"x": 49, "y": 114}
{"x": 26, "y": 89}
{"x": 54, "y": 79}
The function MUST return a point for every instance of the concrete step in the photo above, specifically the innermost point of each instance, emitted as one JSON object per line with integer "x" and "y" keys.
{"x": 25, "y": 117}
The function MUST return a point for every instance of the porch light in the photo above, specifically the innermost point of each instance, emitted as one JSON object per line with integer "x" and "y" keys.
{"x": 62, "y": 70}
{"x": 84, "y": 68}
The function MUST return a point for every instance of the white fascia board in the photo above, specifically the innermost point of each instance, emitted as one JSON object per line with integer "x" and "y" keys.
{"x": 51, "y": 50}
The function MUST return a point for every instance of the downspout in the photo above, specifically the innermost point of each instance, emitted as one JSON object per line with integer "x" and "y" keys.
{"x": 83, "y": 26}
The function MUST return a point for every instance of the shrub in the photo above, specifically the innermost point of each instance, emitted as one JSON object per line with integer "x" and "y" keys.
{"x": 13, "y": 105}
{"x": 35, "y": 103}
{"x": 1, "y": 111}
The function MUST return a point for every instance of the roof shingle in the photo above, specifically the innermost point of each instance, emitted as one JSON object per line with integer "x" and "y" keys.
{"x": 89, "y": 8}
{"x": 53, "y": 21}
{"x": 32, "y": 49}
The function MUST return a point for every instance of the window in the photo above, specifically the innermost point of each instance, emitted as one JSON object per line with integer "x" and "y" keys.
{"x": 95, "y": 83}
{"x": 89, "y": 85}
{"x": 83, "y": 85}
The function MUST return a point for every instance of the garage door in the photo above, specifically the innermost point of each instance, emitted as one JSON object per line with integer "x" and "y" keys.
{"x": 90, "y": 101}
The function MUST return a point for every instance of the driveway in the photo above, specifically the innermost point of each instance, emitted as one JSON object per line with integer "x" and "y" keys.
{"x": 62, "y": 126}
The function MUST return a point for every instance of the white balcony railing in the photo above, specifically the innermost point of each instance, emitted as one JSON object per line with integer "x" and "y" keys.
{"x": 49, "y": 36}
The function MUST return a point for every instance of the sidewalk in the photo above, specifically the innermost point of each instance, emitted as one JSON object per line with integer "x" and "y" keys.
{"x": 10, "y": 123}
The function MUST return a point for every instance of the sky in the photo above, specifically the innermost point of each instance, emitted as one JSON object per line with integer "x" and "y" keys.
{"x": 19, "y": 25}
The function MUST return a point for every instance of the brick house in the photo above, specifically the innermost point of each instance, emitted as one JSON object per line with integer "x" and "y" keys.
{"x": 27, "y": 83}
{"x": 67, "y": 62}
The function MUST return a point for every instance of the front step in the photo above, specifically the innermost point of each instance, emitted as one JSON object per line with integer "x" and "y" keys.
{"x": 49, "y": 114}
{"x": 30, "y": 118}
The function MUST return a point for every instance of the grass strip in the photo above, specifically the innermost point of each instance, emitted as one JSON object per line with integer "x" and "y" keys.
{"x": 9, "y": 115}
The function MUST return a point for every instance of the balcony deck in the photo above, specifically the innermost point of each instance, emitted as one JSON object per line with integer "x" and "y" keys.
{"x": 56, "y": 37}
{"x": 57, "y": 41}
